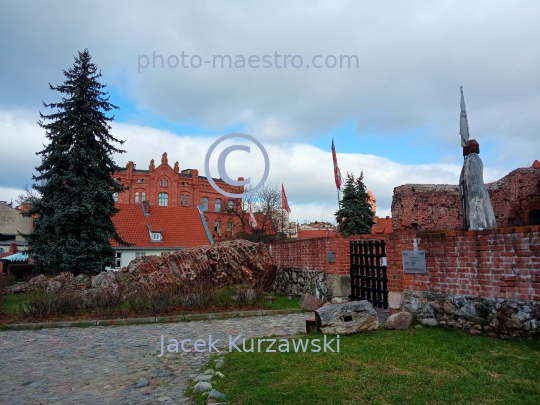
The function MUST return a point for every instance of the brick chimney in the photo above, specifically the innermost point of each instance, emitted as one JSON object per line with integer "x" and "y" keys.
{"x": 145, "y": 207}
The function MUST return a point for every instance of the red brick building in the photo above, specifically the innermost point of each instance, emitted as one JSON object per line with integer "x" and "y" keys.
{"x": 171, "y": 187}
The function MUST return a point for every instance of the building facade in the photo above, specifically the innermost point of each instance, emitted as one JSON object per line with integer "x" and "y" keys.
{"x": 171, "y": 187}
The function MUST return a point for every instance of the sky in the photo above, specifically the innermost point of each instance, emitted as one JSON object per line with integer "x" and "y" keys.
{"x": 380, "y": 78}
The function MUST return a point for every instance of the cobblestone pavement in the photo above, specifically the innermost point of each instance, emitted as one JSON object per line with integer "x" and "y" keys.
{"x": 102, "y": 365}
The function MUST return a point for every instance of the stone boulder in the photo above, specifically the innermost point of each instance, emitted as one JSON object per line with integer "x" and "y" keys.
{"x": 310, "y": 302}
{"x": 399, "y": 321}
{"x": 347, "y": 318}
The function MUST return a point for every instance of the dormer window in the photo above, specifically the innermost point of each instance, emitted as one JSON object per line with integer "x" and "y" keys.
{"x": 156, "y": 236}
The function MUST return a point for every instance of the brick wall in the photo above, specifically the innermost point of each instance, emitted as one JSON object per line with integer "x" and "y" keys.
{"x": 500, "y": 263}
{"x": 437, "y": 206}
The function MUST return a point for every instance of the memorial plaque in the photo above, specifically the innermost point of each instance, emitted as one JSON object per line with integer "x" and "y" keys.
{"x": 414, "y": 261}
{"x": 331, "y": 256}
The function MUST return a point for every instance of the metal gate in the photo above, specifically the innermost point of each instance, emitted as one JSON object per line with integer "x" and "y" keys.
{"x": 368, "y": 272}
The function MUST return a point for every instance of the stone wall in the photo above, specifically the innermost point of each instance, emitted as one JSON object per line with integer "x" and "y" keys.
{"x": 495, "y": 317}
{"x": 297, "y": 281}
{"x": 432, "y": 207}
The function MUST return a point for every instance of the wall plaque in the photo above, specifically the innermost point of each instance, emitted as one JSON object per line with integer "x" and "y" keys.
{"x": 331, "y": 256}
{"x": 414, "y": 261}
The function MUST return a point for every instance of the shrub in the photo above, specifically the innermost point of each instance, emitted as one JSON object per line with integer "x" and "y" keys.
{"x": 36, "y": 305}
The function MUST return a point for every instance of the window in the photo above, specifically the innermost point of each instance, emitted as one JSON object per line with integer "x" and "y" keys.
{"x": 118, "y": 260}
{"x": 218, "y": 205}
{"x": 137, "y": 197}
{"x": 115, "y": 197}
{"x": 163, "y": 182}
{"x": 230, "y": 227}
{"x": 140, "y": 254}
{"x": 205, "y": 203}
{"x": 181, "y": 199}
{"x": 156, "y": 236}
{"x": 187, "y": 200}
{"x": 163, "y": 199}
{"x": 217, "y": 227}
{"x": 230, "y": 206}
{"x": 142, "y": 180}
{"x": 138, "y": 180}
{"x": 143, "y": 198}
{"x": 534, "y": 217}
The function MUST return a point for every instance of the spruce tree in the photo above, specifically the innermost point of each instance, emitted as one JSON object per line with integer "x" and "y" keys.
{"x": 73, "y": 228}
{"x": 354, "y": 216}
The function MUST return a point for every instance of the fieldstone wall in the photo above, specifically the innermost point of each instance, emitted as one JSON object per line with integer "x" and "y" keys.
{"x": 296, "y": 282}
{"x": 495, "y": 317}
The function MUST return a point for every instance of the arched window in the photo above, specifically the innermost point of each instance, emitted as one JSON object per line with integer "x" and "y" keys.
{"x": 217, "y": 227}
{"x": 142, "y": 180}
{"x": 136, "y": 197}
{"x": 230, "y": 227}
{"x": 181, "y": 199}
{"x": 205, "y": 203}
{"x": 143, "y": 198}
{"x": 138, "y": 180}
{"x": 230, "y": 206}
{"x": 163, "y": 182}
{"x": 218, "y": 205}
{"x": 187, "y": 200}
{"x": 163, "y": 199}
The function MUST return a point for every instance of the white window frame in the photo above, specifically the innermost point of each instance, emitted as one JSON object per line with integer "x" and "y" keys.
{"x": 140, "y": 254}
{"x": 156, "y": 236}
{"x": 118, "y": 260}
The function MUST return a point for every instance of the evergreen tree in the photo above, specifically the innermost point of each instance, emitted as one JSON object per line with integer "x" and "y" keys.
{"x": 73, "y": 228}
{"x": 354, "y": 216}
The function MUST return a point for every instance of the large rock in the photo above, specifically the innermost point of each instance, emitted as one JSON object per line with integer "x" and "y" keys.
{"x": 310, "y": 302}
{"x": 227, "y": 263}
{"x": 347, "y": 318}
{"x": 399, "y": 321}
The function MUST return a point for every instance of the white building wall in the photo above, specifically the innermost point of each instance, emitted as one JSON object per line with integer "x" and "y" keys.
{"x": 129, "y": 254}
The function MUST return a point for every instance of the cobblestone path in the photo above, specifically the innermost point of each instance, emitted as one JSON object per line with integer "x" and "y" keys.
{"x": 102, "y": 365}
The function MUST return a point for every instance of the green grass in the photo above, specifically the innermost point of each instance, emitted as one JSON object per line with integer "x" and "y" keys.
{"x": 11, "y": 302}
{"x": 282, "y": 302}
{"x": 426, "y": 366}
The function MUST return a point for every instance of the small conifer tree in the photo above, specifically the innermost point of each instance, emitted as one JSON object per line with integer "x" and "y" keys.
{"x": 354, "y": 216}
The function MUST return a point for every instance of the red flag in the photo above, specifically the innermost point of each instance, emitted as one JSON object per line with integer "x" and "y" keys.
{"x": 337, "y": 173}
{"x": 284, "y": 203}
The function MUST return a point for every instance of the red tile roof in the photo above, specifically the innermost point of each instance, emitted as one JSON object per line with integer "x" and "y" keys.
{"x": 316, "y": 233}
{"x": 180, "y": 226}
{"x": 383, "y": 226}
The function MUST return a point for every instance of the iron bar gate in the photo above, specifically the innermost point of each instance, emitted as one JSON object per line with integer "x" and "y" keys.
{"x": 368, "y": 272}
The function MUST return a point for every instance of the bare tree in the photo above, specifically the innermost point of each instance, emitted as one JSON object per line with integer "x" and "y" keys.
{"x": 30, "y": 196}
{"x": 272, "y": 220}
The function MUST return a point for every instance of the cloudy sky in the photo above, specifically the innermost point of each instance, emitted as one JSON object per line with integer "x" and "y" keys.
{"x": 393, "y": 113}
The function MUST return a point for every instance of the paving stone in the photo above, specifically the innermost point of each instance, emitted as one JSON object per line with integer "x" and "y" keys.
{"x": 97, "y": 365}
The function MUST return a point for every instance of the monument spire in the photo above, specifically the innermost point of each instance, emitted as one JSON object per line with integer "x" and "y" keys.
{"x": 463, "y": 123}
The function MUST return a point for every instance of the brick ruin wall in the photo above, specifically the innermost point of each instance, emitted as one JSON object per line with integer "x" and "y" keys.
{"x": 431, "y": 207}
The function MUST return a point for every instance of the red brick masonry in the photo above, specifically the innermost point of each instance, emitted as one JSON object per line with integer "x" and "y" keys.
{"x": 500, "y": 263}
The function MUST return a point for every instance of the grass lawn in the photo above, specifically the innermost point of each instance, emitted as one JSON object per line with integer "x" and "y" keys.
{"x": 419, "y": 366}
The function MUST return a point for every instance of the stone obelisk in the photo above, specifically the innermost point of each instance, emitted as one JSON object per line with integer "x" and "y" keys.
{"x": 475, "y": 202}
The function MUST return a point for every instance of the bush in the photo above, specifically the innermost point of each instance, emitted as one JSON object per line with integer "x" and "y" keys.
{"x": 105, "y": 301}
{"x": 36, "y": 305}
